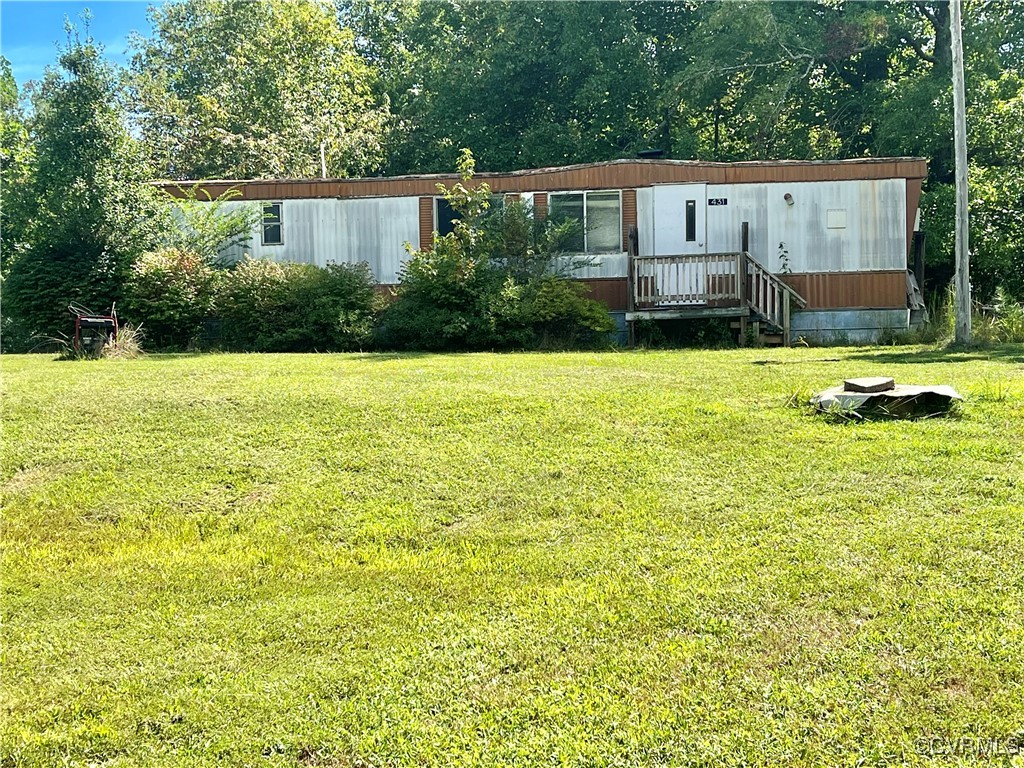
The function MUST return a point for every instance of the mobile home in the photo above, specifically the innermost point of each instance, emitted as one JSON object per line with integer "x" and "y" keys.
{"x": 820, "y": 250}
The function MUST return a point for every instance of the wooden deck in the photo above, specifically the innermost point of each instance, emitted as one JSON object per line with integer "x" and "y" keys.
{"x": 710, "y": 285}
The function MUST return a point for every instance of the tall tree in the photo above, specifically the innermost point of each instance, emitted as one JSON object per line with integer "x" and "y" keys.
{"x": 89, "y": 214}
{"x": 236, "y": 89}
{"x": 529, "y": 84}
{"x": 522, "y": 83}
{"x": 15, "y": 152}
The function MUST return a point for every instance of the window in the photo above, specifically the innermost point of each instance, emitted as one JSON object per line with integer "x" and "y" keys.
{"x": 445, "y": 216}
{"x": 273, "y": 227}
{"x": 691, "y": 221}
{"x": 600, "y": 213}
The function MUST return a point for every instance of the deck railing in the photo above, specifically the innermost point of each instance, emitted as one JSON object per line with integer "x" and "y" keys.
{"x": 768, "y": 295}
{"x": 667, "y": 281}
{"x": 711, "y": 280}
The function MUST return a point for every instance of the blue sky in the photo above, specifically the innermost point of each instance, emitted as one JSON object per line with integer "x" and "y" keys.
{"x": 30, "y": 31}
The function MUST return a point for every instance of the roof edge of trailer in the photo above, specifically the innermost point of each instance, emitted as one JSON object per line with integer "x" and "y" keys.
{"x": 554, "y": 169}
{"x": 612, "y": 174}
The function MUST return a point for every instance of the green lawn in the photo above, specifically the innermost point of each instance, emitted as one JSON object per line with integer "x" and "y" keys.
{"x": 571, "y": 559}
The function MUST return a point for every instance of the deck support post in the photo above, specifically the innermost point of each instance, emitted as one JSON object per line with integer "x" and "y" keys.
{"x": 630, "y": 297}
{"x": 741, "y": 286}
{"x": 785, "y": 319}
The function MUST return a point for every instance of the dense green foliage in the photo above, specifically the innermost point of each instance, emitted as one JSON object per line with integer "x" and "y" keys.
{"x": 622, "y": 559}
{"x": 85, "y": 213}
{"x": 449, "y": 300}
{"x": 493, "y": 282}
{"x": 266, "y": 306}
{"x": 170, "y": 293}
{"x": 236, "y": 89}
{"x": 1003, "y": 321}
{"x": 539, "y": 84}
{"x": 15, "y": 149}
{"x": 182, "y": 301}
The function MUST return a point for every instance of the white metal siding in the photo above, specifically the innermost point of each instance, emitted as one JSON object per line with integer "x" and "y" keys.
{"x": 306, "y": 227}
{"x": 603, "y": 265}
{"x": 874, "y": 237}
{"x": 375, "y": 230}
{"x": 321, "y": 232}
{"x": 855, "y": 326}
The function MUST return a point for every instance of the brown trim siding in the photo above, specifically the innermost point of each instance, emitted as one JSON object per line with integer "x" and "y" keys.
{"x": 835, "y": 290}
{"x": 426, "y": 223}
{"x": 610, "y": 291}
{"x": 617, "y": 174}
{"x": 540, "y": 206}
{"x": 628, "y": 215}
{"x": 823, "y": 290}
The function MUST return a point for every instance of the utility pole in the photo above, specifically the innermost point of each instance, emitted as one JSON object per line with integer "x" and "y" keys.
{"x": 962, "y": 281}
{"x": 323, "y": 160}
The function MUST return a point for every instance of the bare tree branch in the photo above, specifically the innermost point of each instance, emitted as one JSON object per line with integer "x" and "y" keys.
{"x": 922, "y": 8}
{"x": 917, "y": 46}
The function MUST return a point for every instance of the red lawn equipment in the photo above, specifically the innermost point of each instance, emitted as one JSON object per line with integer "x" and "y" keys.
{"x": 92, "y": 331}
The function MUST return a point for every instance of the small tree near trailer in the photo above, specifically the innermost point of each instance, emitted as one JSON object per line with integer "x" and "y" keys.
{"x": 450, "y": 295}
{"x": 207, "y": 225}
{"x": 498, "y": 280}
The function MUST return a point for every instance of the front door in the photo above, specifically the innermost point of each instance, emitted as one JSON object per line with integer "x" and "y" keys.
{"x": 680, "y": 219}
{"x": 680, "y": 229}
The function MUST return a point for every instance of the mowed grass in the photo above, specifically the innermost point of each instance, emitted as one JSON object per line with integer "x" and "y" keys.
{"x": 636, "y": 558}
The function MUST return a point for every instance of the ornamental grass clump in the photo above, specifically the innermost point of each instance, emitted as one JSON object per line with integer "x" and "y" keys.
{"x": 126, "y": 344}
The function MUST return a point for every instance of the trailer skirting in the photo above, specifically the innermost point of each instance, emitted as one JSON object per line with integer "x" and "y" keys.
{"x": 855, "y": 325}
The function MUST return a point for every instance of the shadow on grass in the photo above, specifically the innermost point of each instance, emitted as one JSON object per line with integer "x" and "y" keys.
{"x": 181, "y": 355}
{"x": 213, "y": 354}
{"x": 1009, "y": 353}
{"x": 386, "y": 356}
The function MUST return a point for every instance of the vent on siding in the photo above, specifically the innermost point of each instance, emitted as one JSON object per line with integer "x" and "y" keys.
{"x": 540, "y": 205}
